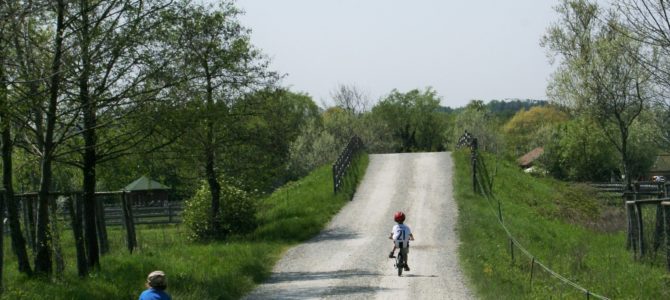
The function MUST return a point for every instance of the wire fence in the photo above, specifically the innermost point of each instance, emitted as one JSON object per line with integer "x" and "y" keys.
{"x": 483, "y": 184}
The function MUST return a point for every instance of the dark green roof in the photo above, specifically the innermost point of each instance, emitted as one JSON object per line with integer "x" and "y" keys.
{"x": 145, "y": 184}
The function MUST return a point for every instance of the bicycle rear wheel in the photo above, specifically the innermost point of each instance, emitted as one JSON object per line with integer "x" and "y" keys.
{"x": 399, "y": 263}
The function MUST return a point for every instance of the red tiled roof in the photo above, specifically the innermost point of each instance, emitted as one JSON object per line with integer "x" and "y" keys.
{"x": 528, "y": 159}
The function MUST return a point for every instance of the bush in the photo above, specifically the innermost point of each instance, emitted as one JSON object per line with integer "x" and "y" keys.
{"x": 237, "y": 212}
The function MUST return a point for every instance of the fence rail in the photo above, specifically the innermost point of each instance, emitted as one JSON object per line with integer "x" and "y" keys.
{"x": 170, "y": 214}
{"x": 479, "y": 174}
{"x": 344, "y": 160}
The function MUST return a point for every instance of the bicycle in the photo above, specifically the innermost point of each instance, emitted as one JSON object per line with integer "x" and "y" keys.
{"x": 399, "y": 262}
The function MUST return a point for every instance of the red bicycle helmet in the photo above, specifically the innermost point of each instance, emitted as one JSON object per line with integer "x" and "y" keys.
{"x": 399, "y": 216}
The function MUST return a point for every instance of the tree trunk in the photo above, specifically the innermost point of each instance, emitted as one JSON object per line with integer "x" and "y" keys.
{"x": 215, "y": 189}
{"x": 624, "y": 156}
{"x": 2, "y": 241}
{"x": 210, "y": 157}
{"x": 55, "y": 238}
{"x": 29, "y": 219}
{"x": 18, "y": 242}
{"x": 90, "y": 229}
{"x": 43, "y": 241}
{"x": 89, "y": 156}
{"x": 74, "y": 207}
{"x": 4, "y": 105}
{"x": 43, "y": 255}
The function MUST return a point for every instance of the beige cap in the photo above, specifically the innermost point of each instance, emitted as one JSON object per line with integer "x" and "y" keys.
{"x": 157, "y": 279}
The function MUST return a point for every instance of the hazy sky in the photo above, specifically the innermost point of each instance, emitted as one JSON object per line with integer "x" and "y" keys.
{"x": 486, "y": 49}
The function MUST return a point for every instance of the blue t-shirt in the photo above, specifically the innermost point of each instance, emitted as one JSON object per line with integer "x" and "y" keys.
{"x": 154, "y": 294}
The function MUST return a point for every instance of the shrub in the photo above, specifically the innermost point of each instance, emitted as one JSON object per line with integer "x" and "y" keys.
{"x": 237, "y": 212}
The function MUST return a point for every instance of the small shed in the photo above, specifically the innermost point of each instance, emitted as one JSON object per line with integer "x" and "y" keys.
{"x": 527, "y": 160}
{"x": 147, "y": 192}
{"x": 661, "y": 166}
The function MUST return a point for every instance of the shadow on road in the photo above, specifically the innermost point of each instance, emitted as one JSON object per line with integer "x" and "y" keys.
{"x": 355, "y": 291}
{"x": 334, "y": 234}
{"x": 419, "y": 276}
{"x": 304, "y": 276}
{"x": 275, "y": 288}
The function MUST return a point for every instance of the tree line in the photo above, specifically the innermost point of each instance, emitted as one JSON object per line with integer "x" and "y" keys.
{"x": 608, "y": 103}
{"x": 94, "y": 94}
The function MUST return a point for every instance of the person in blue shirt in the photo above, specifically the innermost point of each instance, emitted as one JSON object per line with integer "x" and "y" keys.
{"x": 156, "y": 285}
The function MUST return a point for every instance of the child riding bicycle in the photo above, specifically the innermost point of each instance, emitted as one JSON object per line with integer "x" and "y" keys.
{"x": 401, "y": 235}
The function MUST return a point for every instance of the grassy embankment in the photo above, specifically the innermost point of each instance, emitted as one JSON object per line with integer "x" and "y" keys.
{"x": 563, "y": 225}
{"x": 220, "y": 270}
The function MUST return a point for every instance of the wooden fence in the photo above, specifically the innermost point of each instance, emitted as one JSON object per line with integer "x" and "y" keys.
{"x": 170, "y": 214}
{"x": 640, "y": 187}
{"x": 111, "y": 209}
{"x": 344, "y": 160}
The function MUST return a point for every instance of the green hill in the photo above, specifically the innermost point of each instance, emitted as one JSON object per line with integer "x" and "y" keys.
{"x": 563, "y": 227}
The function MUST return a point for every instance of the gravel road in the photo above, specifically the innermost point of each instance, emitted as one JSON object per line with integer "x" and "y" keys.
{"x": 348, "y": 259}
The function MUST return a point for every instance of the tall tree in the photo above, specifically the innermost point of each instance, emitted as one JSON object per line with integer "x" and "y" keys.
{"x": 47, "y": 149}
{"x": 599, "y": 75}
{"x": 350, "y": 98}
{"x": 221, "y": 65}
{"x": 648, "y": 22}
{"x": 9, "y": 26}
{"x": 119, "y": 67}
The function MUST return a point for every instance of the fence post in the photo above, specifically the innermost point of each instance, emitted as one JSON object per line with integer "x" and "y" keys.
{"x": 473, "y": 158}
{"x": 74, "y": 205}
{"x": 335, "y": 177}
{"x": 532, "y": 267}
{"x": 666, "y": 219}
{"x": 511, "y": 249}
{"x": 128, "y": 222}
{"x": 640, "y": 229}
{"x": 632, "y": 227}
{"x": 101, "y": 226}
{"x": 658, "y": 229}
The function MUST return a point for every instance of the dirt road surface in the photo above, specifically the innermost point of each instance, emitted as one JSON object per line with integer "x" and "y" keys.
{"x": 348, "y": 259}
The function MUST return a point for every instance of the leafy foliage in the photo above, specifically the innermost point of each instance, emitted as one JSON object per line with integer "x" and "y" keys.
{"x": 599, "y": 75}
{"x": 478, "y": 121}
{"x": 413, "y": 119}
{"x": 579, "y": 151}
{"x": 237, "y": 212}
{"x": 527, "y": 128}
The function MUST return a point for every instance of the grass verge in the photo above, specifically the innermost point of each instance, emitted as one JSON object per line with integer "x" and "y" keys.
{"x": 219, "y": 270}
{"x": 554, "y": 221}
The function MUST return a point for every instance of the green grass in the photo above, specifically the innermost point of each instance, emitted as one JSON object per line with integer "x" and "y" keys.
{"x": 218, "y": 270}
{"x": 563, "y": 226}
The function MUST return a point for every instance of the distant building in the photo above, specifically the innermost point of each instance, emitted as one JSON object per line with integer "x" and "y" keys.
{"x": 147, "y": 192}
{"x": 527, "y": 160}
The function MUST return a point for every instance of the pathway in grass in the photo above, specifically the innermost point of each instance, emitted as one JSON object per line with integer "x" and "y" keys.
{"x": 348, "y": 259}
